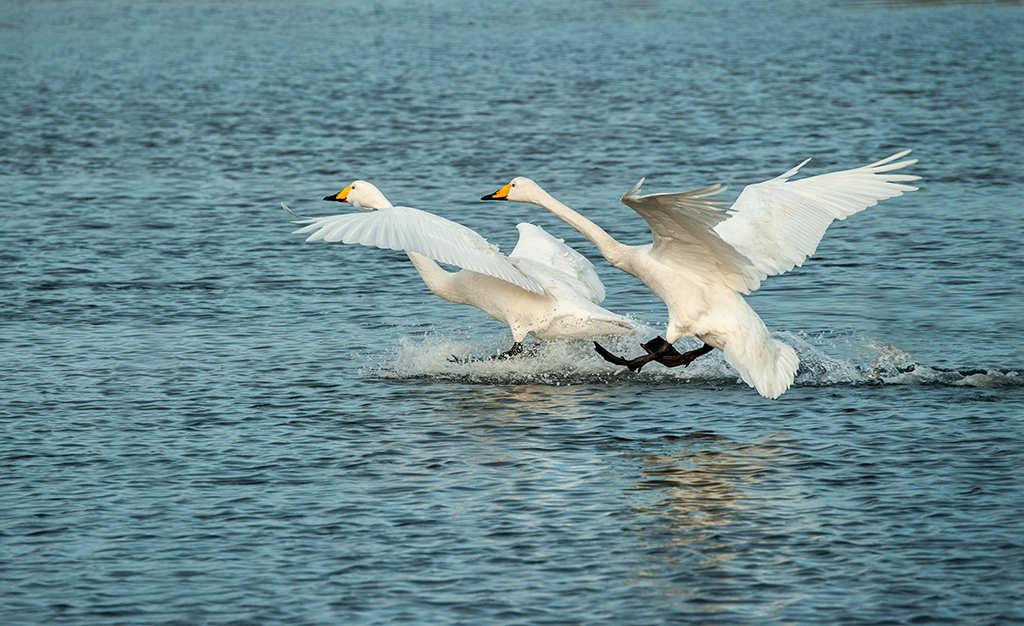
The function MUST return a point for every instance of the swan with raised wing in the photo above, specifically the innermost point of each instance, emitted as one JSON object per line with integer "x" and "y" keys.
{"x": 705, "y": 256}
{"x": 543, "y": 288}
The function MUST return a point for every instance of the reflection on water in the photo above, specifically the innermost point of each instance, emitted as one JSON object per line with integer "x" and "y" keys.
{"x": 697, "y": 517}
{"x": 521, "y": 434}
{"x": 223, "y": 423}
{"x": 524, "y": 403}
{"x": 702, "y": 473}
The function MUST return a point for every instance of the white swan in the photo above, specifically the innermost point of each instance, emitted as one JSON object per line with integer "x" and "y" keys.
{"x": 704, "y": 257}
{"x": 544, "y": 288}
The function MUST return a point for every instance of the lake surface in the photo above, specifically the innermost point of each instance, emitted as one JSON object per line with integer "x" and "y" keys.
{"x": 207, "y": 420}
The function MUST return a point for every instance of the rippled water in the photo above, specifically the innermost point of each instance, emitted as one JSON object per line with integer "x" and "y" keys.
{"x": 207, "y": 420}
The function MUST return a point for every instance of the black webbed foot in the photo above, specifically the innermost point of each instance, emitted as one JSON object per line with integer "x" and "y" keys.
{"x": 674, "y": 359}
{"x": 634, "y": 365}
{"x": 516, "y": 350}
{"x": 608, "y": 356}
{"x": 658, "y": 349}
{"x": 511, "y": 353}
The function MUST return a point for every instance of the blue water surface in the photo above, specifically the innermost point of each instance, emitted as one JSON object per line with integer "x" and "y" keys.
{"x": 207, "y": 420}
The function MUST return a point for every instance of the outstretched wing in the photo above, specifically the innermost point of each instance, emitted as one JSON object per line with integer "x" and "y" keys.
{"x": 777, "y": 224}
{"x": 540, "y": 255}
{"x": 405, "y": 228}
{"x": 683, "y": 227}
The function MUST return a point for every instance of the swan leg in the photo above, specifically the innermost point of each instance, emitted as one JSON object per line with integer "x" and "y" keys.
{"x": 658, "y": 349}
{"x": 608, "y": 356}
{"x": 634, "y": 365}
{"x": 514, "y": 351}
{"x": 684, "y": 359}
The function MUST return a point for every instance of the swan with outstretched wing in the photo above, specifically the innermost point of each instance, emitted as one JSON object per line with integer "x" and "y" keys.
{"x": 544, "y": 288}
{"x": 704, "y": 256}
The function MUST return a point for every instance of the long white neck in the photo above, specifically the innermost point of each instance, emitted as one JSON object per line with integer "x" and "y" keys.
{"x": 369, "y": 197}
{"x": 610, "y": 249}
{"x": 439, "y": 280}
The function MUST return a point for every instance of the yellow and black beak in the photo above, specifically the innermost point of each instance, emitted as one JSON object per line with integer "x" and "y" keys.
{"x": 501, "y": 194}
{"x": 340, "y": 196}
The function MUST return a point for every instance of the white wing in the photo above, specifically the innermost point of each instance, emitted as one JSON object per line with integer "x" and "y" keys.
{"x": 683, "y": 224}
{"x": 569, "y": 302}
{"x": 540, "y": 255}
{"x": 405, "y": 228}
{"x": 777, "y": 224}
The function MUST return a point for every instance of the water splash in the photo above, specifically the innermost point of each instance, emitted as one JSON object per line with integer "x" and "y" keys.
{"x": 893, "y": 366}
{"x": 825, "y": 359}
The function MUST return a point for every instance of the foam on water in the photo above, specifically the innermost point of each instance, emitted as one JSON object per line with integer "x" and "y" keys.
{"x": 825, "y": 359}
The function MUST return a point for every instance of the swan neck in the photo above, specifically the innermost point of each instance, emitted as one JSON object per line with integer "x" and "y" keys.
{"x": 610, "y": 248}
{"x": 439, "y": 280}
{"x": 380, "y": 202}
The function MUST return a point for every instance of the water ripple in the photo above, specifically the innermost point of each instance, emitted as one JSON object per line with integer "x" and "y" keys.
{"x": 206, "y": 420}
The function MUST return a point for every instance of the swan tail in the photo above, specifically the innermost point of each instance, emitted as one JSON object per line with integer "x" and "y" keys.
{"x": 763, "y": 362}
{"x": 588, "y": 323}
{"x": 598, "y": 327}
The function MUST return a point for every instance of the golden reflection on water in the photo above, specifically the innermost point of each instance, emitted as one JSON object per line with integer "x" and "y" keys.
{"x": 703, "y": 473}
{"x": 692, "y": 507}
{"x": 494, "y": 415}
{"x": 513, "y": 404}
{"x": 699, "y": 483}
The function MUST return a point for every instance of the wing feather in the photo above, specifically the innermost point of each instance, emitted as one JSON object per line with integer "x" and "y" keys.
{"x": 683, "y": 227}
{"x": 409, "y": 229}
{"x": 778, "y": 223}
{"x": 539, "y": 255}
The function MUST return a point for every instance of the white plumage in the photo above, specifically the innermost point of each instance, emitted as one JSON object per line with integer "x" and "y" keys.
{"x": 777, "y": 224}
{"x": 413, "y": 230}
{"x": 544, "y": 288}
{"x": 704, "y": 256}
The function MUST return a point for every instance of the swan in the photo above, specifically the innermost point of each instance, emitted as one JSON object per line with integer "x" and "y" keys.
{"x": 544, "y": 288}
{"x": 704, "y": 257}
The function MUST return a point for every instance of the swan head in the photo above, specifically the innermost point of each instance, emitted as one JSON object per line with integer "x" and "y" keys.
{"x": 519, "y": 189}
{"x": 361, "y": 194}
